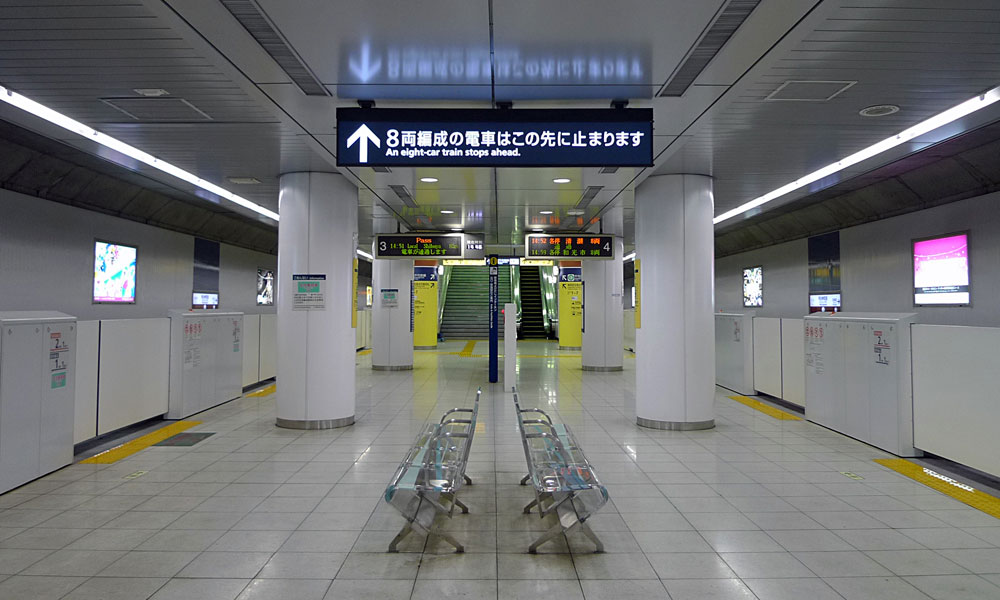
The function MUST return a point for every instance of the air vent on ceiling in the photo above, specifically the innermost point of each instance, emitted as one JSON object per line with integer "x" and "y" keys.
{"x": 609, "y": 170}
{"x": 157, "y": 109}
{"x": 808, "y": 91}
{"x": 258, "y": 25}
{"x": 589, "y": 194}
{"x": 381, "y": 169}
{"x": 723, "y": 28}
{"x": 404, "y": 195}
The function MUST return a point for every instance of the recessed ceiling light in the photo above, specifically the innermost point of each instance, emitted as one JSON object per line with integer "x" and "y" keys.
{"x": 151, "y": 92}
{"x": 575, "y": 212}
{"x": 244, "y": 180}
{"x": 429, "y": 179}
{"x": 447, "y": 212}
{"x": 545, "y": 212}
{"x": 879, "y": 110}
{"x": 561, "y": 180}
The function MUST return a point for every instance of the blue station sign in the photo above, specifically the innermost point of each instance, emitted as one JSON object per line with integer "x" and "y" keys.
{"x": 377, "y": 137}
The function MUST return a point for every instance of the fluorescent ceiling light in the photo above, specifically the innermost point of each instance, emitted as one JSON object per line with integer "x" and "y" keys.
{"x": 628, "y": 257}
{"x": 575, "y": 212}
{"x": 57, "y": 118}
{"x": 952, "y": 114}
{"x": 447, "y": 212}
{"x": 545, "y": 212}
{"x": 538, "y": 230}
{"x": 561, "y": 180}
{"x": 459, "y": 229}
{"x": 365, "y": 254}
{"x": 429, "y": 179}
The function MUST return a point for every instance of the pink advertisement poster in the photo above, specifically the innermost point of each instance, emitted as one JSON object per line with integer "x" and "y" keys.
{"x": 941, "y": 270}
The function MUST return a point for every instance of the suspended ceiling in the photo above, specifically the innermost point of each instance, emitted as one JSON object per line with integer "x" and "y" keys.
{"x": 234, "y": 110}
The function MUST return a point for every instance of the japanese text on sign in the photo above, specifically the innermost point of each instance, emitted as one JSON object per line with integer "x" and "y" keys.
{"x": 575, "y": 246}
{"x": 413, "y": 245}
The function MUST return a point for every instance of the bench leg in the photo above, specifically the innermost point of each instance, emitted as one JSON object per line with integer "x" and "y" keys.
{"x": 524, "y": 480}
{"x": 468, "y": 479}
{"x": 527, "y": 509}
{"x": 465, "y": 509}
{"x": 587, "y": 531}
{"x": 458, "y": 547}
{"x": 399, "y": 537}
{"x": 548, "y": 536}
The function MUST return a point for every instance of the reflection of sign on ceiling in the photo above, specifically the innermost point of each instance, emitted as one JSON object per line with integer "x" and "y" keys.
{"x": 499, "y": 138}
{"x": 624, "y": 65}
{"x": 414, "y": 245}
{"x": 541, "y": 245}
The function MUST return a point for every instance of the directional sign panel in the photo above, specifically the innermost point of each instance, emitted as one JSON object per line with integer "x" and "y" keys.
{"x": 419, "y": 245}
{"x": 494, "y": 138}
{"x": 541, "y": 245}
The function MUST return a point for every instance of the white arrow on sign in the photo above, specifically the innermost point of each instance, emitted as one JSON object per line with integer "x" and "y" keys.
{"x": 363, "y": 135}
{"x": 366, "y": 68}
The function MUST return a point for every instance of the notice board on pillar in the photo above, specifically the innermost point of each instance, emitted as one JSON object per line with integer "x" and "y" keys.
{"x": 206, "y": 360}
{"x": 570, "y": 306}
{"x": 425, "y": 306}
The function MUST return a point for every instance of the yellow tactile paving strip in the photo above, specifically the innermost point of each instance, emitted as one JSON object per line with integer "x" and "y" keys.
{"x": 141, "y": 443}
{"x": 267, "y": 391}
{"x": 765, "y": 408}
{"x": 365, "y": 352}
{"x": 467, "y": 351}
{"x": 946, "y": 485}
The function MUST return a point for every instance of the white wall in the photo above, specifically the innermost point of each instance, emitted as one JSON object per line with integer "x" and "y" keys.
{"x": 47, "y": 262}
{"x": 876, "y": 267}
{"x": 786, "y": 283}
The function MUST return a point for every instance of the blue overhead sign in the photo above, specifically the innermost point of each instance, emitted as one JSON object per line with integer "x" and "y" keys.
{"x": 374, "y": 137}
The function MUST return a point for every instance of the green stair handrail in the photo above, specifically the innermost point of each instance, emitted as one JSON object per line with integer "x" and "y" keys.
{"x": 443, "y": 280}
{"x": 547, "y": 279}
{"x": 515, "y": 293}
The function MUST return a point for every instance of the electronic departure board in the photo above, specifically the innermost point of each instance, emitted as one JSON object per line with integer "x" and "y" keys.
{"x": 420, "y": 245}
{"x": 540, "y": 245}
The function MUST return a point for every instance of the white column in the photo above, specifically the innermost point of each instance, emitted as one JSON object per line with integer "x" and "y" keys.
{"x": 675, "y": 344}
{"x": 392, "y": 338}
{"x": 603, "y": 342}
{"x": 317, "y": 235}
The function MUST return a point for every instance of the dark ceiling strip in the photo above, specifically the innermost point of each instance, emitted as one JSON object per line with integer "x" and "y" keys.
{"x": 725, "y": 25}
{"x": 259, "y": 26}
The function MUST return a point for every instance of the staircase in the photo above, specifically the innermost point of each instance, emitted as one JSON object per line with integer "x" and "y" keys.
{"x": 532, "y": 324}
{"x": 467, "y": 303}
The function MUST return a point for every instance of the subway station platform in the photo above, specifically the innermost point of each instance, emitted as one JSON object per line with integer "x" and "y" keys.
{"x": 759, "y": 507}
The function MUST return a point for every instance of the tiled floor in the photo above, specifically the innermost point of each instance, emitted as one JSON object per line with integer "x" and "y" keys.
{"x": 756, "y": 508}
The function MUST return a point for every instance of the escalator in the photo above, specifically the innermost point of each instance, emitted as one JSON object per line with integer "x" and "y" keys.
{"x": 532, "y": 319}
{"x": 467, "y": 303}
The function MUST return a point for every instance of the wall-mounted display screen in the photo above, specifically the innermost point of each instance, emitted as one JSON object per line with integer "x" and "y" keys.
{"x": 205, "y": 300}
{"x": 753, "y": 287}
{"x": 265, "y": 287}
{"x": 824, "y": 302}
{"x": 540, "y": 245}
{"x": 941, "y": 271}
{"x": 114, "y": 272}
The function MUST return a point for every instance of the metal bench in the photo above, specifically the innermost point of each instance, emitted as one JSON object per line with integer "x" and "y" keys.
{"x": 565, "y": 483}
{"x": 426, "y": 482}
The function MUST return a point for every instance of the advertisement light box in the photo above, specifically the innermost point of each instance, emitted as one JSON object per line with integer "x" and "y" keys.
{"x": 494, "y": 138}
{"x": 114, "y": 273}
{"x": 753, "y": 287}
{"x": 941, "y": 271}
{"x": 265, "y": 287}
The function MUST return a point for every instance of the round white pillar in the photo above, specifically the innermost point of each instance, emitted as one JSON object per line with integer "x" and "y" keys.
{"x": 317, "y": 235}
{"x": 675, "y": 343}
{"x": 392, "y": 337}
{"x": 603, "y": 312}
